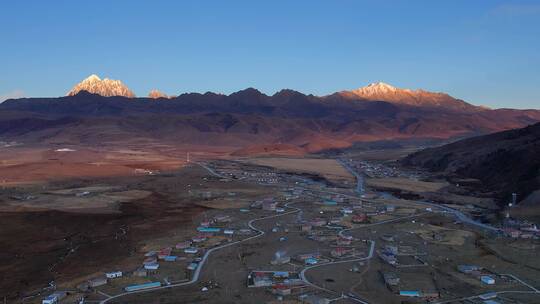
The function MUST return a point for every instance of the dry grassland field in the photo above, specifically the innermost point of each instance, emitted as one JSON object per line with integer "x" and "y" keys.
{"x": 452, "y": 237}
{"x": 383, "y": 155}
{"x": 404, "y": 184}
{"x": 108, "y": 220}
{"x": 328, "y": 168}
{"x": 104, "y": 201}
{"x": 31, "y": 165}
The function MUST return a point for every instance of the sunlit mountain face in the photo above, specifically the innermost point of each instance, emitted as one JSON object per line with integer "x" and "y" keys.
{"x": 104, "y": 87}
{"x": 385, "y": 92}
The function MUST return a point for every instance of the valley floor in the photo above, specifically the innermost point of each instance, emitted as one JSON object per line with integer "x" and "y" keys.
{"x": 300, "y": 228}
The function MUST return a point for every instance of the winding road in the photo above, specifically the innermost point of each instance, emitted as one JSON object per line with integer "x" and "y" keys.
{"x": 197, "y": 272}
{"x": 457, "y": 214}
{"x": 359, "y": 189}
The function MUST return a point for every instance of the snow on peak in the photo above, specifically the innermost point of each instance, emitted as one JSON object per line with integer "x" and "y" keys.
{"x": 92, "y": 77}
{"x": 106, "y": 87}
{"x": 381, "y": 85}
{"x": 384, "y": 92}
{"x": 157, "y": 94}
{"x": 377, "y": 88}
{"x": 380, "y": 90}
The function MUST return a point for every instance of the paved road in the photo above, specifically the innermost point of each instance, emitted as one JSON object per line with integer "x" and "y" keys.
{"x": 469, "y": 299}
{"x": 382, "y": 222}
{"x": 210, "y": 170}
{"x": 457, "y": 214}
{"x": 368, "y": 257}
{"x": 522, "y": 282}
{"x": 359, "y": 177}
{"x": 197, "y": 272}
{"x": 359, "y": 190}
{"x": 303, "y": 272}
{"x": 462, "y": 217}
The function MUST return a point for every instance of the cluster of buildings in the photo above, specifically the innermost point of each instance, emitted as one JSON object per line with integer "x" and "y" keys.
{"x": 375, "y": 170}
{"x": 392, "y": 281}
{"x": 310, "y": 258}
{"x": 189, "y": 249}
{"x": 280, "y": 283}
{"x": 419, "y": 294}
{"x": 267, "y": 204}
{"x": 57, "y": 296}
{"x": 54, "y": 297}
{"x": 261, "y": 176}
{"x": 478, "y": 272}
{"x": 140, "y": 171}
{"x": 394, "y": 255}
{"x": 520, "y": 229}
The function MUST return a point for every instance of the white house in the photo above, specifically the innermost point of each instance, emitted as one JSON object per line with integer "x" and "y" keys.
{"x": 113, "y": 275}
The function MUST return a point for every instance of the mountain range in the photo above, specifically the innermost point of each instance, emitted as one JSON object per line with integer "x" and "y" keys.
{"x": 97, "y": 111}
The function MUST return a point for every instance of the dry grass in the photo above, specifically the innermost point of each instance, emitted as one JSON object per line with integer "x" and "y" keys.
{"x": 381, "y": 217}
{"x": 328, "y": 168}
{"x": 402, "y": 203}
{"x": 93, "y": 203}
{"x": 404, "y": 184}
{"x": 22, "y": 165}
{"x": 224, "y": 204}
{"x": 462, "y": 200}
{"x": 451, "y": 237}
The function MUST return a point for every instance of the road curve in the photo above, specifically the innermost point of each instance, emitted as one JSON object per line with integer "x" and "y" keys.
{"x": 457, "y": 214}
{"x": 305, "y": 280}
{"x": 197, "y": 272}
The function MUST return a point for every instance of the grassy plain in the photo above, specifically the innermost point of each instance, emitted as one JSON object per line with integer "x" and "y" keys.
{"x": 328, "y": 168}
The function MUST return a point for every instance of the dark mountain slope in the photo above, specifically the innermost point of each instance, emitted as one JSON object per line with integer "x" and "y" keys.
{"x": 505, "y": 162}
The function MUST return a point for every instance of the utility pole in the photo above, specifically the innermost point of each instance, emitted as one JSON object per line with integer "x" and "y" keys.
{"x": 187, "y": 157}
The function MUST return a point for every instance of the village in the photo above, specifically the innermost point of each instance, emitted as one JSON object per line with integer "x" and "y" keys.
{"x": 321, "y": 243}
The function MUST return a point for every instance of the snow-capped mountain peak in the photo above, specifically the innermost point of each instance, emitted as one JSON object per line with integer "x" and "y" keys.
{"x": 157, "y": 94}
{"x": 106, "y": 87}
{"x": 380, "y": 91}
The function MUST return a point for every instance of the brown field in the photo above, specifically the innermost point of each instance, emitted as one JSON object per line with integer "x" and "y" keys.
{"x": 108, "y": 228}
{"x": 452, "y": 237}
{"x": 328, "y": 168}
{"x": 528, "y": 209}
{"x": 27, "y": 165}
{"x": 451, "y": 198}
{"x": 22, "y": 165}
{"x": 406, "y": 206}
{"x": 243, "y": 198}
{"x": 383, "y": 155}
{"x": 106, "y": 202}
{"x": 404, "y": 184}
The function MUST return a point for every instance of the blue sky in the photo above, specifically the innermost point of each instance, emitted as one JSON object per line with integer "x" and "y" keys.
{"x": 485, "y": 52}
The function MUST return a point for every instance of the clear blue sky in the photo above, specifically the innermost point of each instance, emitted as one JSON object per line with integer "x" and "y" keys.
{"x": 486, "y": 52}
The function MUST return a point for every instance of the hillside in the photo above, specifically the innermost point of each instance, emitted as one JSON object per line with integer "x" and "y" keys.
{"x": 505, "y": 162}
